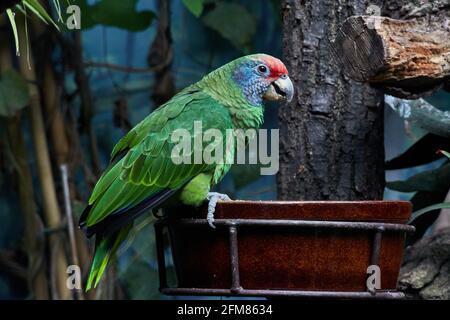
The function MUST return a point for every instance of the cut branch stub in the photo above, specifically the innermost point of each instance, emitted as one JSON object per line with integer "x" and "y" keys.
{"x": 404, "y": 58}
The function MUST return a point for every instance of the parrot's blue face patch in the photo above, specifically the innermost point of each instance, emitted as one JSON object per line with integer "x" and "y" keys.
{"x": 252, "y": 77}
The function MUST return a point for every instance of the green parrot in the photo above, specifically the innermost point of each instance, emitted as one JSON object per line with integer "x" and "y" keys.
{"x": 143, "y": 175}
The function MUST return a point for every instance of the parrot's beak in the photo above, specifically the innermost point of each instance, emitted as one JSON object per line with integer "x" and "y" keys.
{"x": 280, "y": 89}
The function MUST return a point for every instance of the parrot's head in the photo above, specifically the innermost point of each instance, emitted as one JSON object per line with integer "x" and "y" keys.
{"x": 263, "y": 77}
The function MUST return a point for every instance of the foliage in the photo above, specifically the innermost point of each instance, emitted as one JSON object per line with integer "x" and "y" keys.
{"x": 114, "y": 13}
{"x": 431, "y": 185}
{"x": 231, "y": 20}
{"x": 12, "y": 21}
{"x": 446, "y": 205}
{"x": 36, "y": 8}
{"x": 430, "y": 180}
{"x": 39, "y": 11}
{"x": 421, "y": 152}
{"x": 13, "y": 93}
{"x": 194, "y": 6}
{"x": 419, "y": 213}
{"x": 445, "y": 153}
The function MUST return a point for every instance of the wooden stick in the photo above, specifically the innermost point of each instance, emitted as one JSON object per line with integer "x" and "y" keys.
{"x": 34, "y": 245}
{"x": 51, "y": 208}
{"x": 404, "y": 58}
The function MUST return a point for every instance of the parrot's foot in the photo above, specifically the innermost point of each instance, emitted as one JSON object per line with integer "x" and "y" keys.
{"x": 213, "y": 197}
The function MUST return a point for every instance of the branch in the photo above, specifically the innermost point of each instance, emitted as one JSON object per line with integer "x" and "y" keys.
{"x": 407, "y": 59}
{"x": 422, "y": 114}
{"x": 119, "y": 68}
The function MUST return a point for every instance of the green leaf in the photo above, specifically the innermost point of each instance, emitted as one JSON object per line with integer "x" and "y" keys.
{"x": 194, "y": 6}
{"x": 447, "y": 154}
{"x": 13, "y": 93}
{"x": 418, "y": 213}
{"x": 233, "y": 22}
{"x": 115, "y": 13}
{"x": 420, "y": 200}
{"x": 39, "y": 11}
{"x": 12, "y": 21}
{"x": 431, "y": 180}
{"x": 421, "y": 152}
{"x": 57, "y": 6}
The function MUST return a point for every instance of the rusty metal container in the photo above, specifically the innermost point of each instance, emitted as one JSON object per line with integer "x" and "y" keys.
{"x": 290, "y": 257}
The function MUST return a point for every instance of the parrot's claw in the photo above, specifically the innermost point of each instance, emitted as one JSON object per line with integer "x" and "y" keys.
{"x": 213, "y": 197}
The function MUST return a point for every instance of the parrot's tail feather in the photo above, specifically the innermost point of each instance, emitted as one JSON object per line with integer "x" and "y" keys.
{"x": 118, "y": 219}
{"x": 105, "y": 249}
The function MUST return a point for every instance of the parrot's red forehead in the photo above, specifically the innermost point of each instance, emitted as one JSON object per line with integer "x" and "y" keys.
{"x": 277, "y": 68}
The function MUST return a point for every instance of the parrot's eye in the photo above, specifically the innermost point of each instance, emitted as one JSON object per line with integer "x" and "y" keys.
{"x": 262, "y": 69}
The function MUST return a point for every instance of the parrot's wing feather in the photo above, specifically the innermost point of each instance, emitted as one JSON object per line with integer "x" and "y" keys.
{"x": 148, "y": 168}
{"x": 114, "y": 222}
{"x": 155, "y": 121}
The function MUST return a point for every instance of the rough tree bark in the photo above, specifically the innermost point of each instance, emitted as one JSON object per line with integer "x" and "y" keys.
{"x": 425, "y": 272}
{"x": 331, "y": 137}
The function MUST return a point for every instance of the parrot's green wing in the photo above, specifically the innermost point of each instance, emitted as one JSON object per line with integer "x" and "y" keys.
{"x": 147, "y": 167}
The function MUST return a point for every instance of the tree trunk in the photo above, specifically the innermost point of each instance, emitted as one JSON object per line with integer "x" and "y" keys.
{"x": 331, "y": 137}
